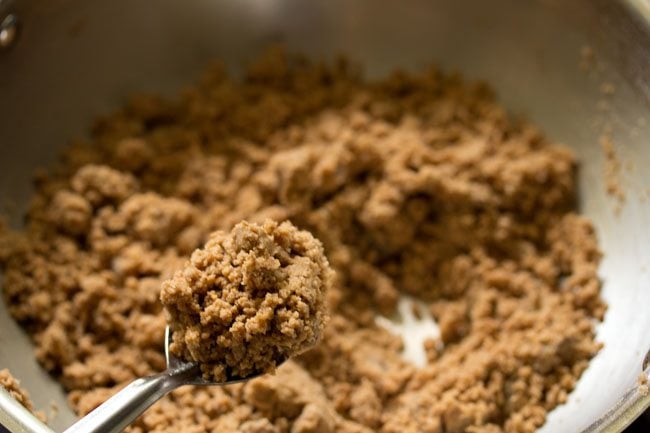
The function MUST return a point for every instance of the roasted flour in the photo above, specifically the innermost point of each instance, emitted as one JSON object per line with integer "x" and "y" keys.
{"x": 249, "y": 300}
{"x": 12, "y": 386}
{"x": 419, "y": 183}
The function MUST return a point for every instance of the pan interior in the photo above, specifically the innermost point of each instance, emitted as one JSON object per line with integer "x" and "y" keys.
{"x": 77, "y": 59}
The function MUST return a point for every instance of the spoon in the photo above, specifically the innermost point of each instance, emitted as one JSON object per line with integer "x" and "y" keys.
{"x": 116, "y": 413}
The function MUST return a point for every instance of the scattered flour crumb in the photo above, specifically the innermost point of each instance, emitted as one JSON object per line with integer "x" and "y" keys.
{"x": 612, "y": 172}
{"x": 607, "y": 88}
{"x": 642, "y": 381}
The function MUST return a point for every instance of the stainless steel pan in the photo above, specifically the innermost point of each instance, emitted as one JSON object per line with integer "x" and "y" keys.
{"x": 75, "y": 59}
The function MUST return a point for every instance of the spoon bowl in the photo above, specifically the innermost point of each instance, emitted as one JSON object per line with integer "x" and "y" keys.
{"x": 193, "y": 370}
{"x": 116, "y": 413}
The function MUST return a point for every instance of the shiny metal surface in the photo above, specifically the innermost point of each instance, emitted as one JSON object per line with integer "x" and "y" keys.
{"x": 116, "y": 413}
{"x": 16, "y": 418}
{"x": 77, "y": 58}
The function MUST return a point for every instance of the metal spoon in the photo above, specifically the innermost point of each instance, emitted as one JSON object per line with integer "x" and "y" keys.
{"x": 116, "y": 413}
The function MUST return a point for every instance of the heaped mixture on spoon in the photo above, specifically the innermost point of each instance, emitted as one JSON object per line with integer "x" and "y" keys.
{"x": 418, "y": 184}
{"x": 249, "y": 300}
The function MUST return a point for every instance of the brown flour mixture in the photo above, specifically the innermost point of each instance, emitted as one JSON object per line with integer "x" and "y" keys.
{"x": 12, "y": 385}
{"x": 249, "y": 300}
{"x": 419, "y": 184}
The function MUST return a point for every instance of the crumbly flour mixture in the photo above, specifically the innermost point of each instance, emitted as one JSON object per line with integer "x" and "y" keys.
{"x": 12, "y": 385}
{"x": 419, "y": 183}
{"x": 249, "y": 300}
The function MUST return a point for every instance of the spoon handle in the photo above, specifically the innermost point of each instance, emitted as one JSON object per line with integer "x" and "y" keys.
{"x": 116, "y": 413}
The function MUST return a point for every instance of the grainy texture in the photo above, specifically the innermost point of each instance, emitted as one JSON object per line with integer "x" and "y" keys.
{"x": 12, "y": 385}
{"x": 419, "y": 184}
{"x": 248, "y": 300}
